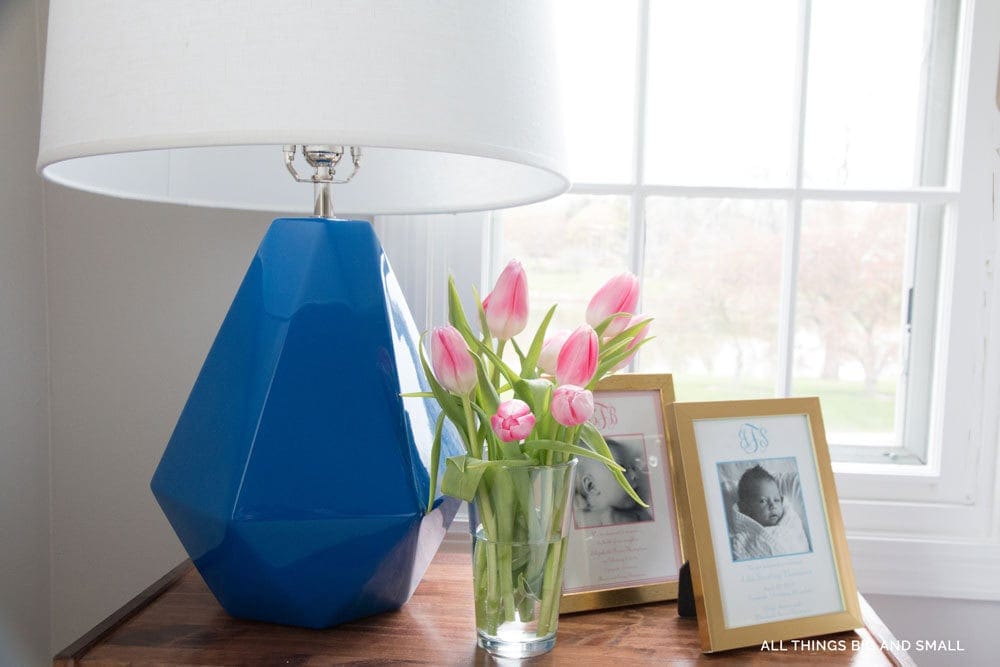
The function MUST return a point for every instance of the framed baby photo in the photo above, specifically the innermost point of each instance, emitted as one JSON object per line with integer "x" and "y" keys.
{"x": 620, "y": 552}
{"x": 761, "y": 523}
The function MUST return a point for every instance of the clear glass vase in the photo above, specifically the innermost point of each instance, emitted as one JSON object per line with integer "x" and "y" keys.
{"x": 519, "y": 523}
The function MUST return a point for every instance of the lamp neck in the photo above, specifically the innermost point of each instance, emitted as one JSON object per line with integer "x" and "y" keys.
{"x": 323, "y": 160}
{"x": 322, "y": 199}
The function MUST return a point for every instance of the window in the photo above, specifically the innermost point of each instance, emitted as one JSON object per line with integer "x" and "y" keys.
{"x": 776, "y": 149}
{"x": 781, "y": 175}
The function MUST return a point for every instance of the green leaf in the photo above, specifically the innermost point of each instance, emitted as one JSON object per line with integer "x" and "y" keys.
{"x": 450, "y": 404}
{"x": 557, "y": 446}
{"x": 603, "y": 326}
{"x": 484, "y": 326}
{"x": 487, "y": 393}
{"x": 486, "y": 430}
{"x": 622, "y": 339}
{"x": 498, "y": 363}
{"x": 511, "y": 451}
{"x": 613, "y": 360}
{"x": 435, "y": 459}
{"x": 593, "y": 439}
{"x": 456, "y": 315}
{"x": 535, "y": 393}
{"x": 461, "y": 476}
{"x": 520, "y": 354}
{"x": 418, "y": 394}
{"x": 529, "y": 365}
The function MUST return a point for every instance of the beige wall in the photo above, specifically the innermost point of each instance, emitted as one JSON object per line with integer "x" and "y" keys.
{"x": 24, "y": 452}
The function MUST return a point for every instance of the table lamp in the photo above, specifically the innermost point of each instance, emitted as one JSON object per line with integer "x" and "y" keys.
{"x": 297, "y": 477}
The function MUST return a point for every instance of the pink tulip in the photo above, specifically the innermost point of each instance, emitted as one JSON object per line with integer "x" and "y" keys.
{"x": 452, "y": 362}
{"x": 577, "y": 361}
{"x": 506, "y": 307}
{"x": 639, "y": 336}
{"x": 549, "y": 357}
{"x": 618, "y": 295}
{"x": 571, "y": 405}
{"x": 513, "y": 420}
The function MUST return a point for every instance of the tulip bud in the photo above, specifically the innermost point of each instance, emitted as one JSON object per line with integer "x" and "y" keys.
{"x": 452, "y": 362}
{"x": 506, "y": 307}
{"x": 513, "y": 420}
{"x": 638, "y": 338}
{"x": 549, "y": 357}
{"x": 577, "y": 361}
{"x": 571, "y": 405}
{"x": 618, "y": 295}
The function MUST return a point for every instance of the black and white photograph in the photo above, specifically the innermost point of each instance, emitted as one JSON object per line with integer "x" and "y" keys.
{"x": 771, "y": 557}
{"x": 764, "y": 510}
{"x": 598, "y": 498}
{"x": 620, "y": 551}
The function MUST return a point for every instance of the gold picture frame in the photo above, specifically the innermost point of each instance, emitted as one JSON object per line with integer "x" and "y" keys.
{"x": 620, "y": 553}
{"x": 768, "y": 553}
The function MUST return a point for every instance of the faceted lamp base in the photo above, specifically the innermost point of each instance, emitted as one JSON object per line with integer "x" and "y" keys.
{"x": 297, "y": 477}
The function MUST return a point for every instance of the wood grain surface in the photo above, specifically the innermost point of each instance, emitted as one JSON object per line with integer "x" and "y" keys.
{"x": 178, "y": 622}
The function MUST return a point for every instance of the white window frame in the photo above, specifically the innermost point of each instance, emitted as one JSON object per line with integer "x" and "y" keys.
{"x": 638, "y": 191}
{"x": 930, "y": 529}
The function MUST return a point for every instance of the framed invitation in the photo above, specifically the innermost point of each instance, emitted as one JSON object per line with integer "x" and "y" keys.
{"x": 761, "y": 523}
{"x": 619, "y": 552}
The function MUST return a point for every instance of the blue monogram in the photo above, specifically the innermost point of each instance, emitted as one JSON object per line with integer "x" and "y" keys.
{"x": 753, "y": 438}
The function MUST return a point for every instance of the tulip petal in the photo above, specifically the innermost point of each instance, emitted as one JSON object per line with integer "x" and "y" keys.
{"x": 506, "y": 307}
{"x": 577, "y": 360}
{"x": 572, "y": 405}
{"x": 513, "y": 420}
{"x": 452, "y": 362}
{"x": 619, "y": 295}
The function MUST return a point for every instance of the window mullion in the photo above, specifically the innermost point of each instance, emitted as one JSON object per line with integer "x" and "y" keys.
{"x": 637, "y": 201}
{"x": 637, "y": 236}
{"x": 790, "y": 253}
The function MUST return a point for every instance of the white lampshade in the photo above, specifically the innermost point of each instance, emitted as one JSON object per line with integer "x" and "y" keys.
{"x": 455, "y": 102}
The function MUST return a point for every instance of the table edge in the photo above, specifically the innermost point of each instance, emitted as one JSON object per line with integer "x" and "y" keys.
{"x": 69, "y": 656}
{"x": 881, "y": 633}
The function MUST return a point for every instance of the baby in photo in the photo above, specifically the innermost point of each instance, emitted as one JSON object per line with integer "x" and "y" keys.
{"x": 599, "y": 500}
{"x": 764, "y": 524}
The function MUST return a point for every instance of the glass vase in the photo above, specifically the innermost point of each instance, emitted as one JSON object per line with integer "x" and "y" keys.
{"x": 519, "y": 522}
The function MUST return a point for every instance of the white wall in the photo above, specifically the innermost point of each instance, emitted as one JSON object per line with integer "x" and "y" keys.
{"x": 24, "y": 451}
{"x": 136, "y": 295}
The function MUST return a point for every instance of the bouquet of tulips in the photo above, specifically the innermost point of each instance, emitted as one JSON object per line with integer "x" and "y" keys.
{"x": 536, "y": 415}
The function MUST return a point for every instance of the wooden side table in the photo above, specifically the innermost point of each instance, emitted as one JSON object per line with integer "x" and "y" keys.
{"x": 176, "y": 621}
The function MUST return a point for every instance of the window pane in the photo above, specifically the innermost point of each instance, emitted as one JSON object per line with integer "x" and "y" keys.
{"x": 569, "y": 247}
{"x": 721, "y": 92}
{"x": 880, "y": 83}
{"x": 712, "y": 280}
{"x": 848, "y": 326}
{"x": 596, "y": 46}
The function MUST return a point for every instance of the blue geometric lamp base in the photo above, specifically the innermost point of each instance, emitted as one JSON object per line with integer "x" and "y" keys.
{"x": 297, "y": 477}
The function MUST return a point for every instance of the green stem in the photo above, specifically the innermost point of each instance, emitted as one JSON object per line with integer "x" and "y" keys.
{"x": 470, "y": 425}
{"x": 560, "y": 437}
{"x": 519, "y": 559}
{"x": 548, "y": 615}
{"x": 572, "y": 437}
{"x": 495, "y": 375}
{"x": 505, "y": 498}
{"x": 489, "y": 603}
{"x": 551, "y": 588}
